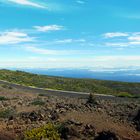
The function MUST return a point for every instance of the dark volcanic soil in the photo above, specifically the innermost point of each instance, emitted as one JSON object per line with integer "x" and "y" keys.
{"x": 109, "y": 119}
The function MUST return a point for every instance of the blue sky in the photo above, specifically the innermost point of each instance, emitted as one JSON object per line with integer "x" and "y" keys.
{"x": 94, "y": 34}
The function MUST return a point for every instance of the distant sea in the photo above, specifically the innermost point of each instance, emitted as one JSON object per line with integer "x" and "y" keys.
{"x": 115, "y": 75}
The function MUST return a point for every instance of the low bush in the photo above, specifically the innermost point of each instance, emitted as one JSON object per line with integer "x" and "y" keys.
{"x": 47, "y": 132}
{"x": 38, "y": 102}
{"x": 6, "y": 113}
{"x": 6, "y": 86}
{"x": 92, "y": 99}
{"x": 2, "y": 98}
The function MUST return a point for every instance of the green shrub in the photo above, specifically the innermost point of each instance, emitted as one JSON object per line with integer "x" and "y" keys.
{"x": 2, "y": 98}
{"x": 38, "y": 102}
{"x": 47, "y": 132}
{"x": 6, "y": 113}
{"x": 91, "y": 99}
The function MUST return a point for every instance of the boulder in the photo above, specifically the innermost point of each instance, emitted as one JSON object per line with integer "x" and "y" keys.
{"x": 136, "y": 120}
{"x": 107, "y": 135}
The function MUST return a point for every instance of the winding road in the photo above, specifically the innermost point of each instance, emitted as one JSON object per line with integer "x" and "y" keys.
{"x": 49, "y": 92}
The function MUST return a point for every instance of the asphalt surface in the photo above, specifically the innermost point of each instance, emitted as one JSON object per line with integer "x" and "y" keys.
{"x": 50, "y": 92}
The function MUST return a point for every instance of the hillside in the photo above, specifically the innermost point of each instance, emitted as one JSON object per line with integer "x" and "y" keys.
{"x": 26, "y": 115}
{"x": 70, "y": 84}
{"x": 29, "y": 115}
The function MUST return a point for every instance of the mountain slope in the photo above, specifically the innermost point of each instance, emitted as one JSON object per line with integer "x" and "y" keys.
{"x": 70, "y": 84}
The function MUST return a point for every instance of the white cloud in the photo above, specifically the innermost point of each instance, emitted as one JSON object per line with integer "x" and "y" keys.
{"x": 27, "y": 3}
{"x": 71, "y": 41}
{"x": 134, "y": 43}
{"x": 48, "y": 28}
{"x": 65, "y": 41}
{"x": 134, "y": 38}
{"x": 115, "y": 34}
{"x": 122, "y": 45}
{"x": 14, "y": 37}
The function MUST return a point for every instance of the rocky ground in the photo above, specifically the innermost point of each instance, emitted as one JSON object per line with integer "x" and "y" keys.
{"x": 105, "y": 119}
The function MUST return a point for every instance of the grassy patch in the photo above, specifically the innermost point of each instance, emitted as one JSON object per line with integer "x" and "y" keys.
{"x": 125, "y": 94}
{"x": 38, "y": 102}
{"x": 6, "y": 86}
{"x": 6, "y": 113}
{"x": 47, "y": 132}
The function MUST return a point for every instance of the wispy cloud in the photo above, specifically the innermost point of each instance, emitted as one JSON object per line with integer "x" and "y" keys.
{"x": 80, "y": 2}
{"x": 49, "y": 28}
{"x": 14, "y": 37}
{"x": 115, "y": 34}
{"x": 131, "y": 40}
{"x": 27, "y": 3}
{"x": 70, "y": 41}
{"x": 121, "y": 44}
{"x": 38, "y": 50}
{"x": 134, "y": 38}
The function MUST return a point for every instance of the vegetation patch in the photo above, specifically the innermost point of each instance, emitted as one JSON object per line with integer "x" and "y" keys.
{"x": 38, "y": 102}
{"x": 6, "y": 86}
{"x": 2, "y": 98}
{"x": 69, "y": 84}
{"x": 6, "y": 113}
{"x": 48, "y": 132}
{"x": 126, "y": 94}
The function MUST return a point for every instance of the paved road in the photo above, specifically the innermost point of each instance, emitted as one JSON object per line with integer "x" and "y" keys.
{"x": 49, "y": 92}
